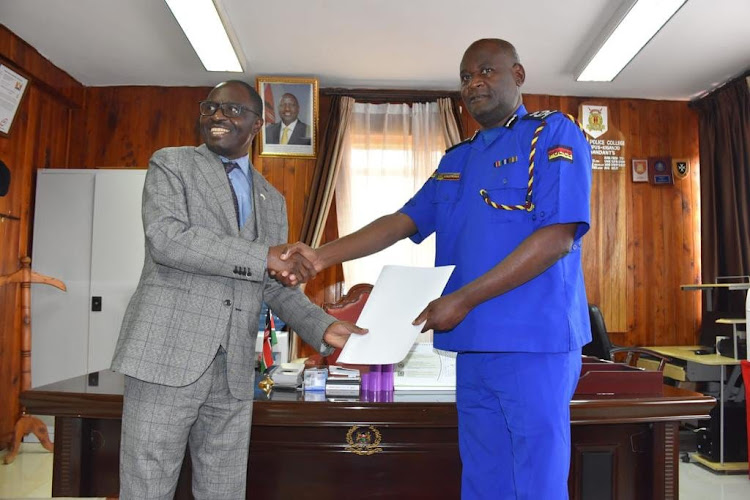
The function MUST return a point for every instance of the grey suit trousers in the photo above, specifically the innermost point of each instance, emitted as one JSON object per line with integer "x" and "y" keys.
{"x": 159, "y": 421}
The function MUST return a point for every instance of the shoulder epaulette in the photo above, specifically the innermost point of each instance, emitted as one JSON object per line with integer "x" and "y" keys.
{"x": 465, "y": 141}
{"x": 540, "y": 115}
{"x": 543, "y": 115}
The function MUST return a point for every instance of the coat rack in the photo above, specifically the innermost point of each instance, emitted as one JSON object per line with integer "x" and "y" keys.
{"x": 27, "y": 423}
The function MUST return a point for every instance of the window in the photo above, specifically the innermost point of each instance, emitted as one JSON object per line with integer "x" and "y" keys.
{"x": 392, "y": 151}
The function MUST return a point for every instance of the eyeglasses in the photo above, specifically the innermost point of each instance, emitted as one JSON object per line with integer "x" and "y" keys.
{"x": 229, "y": 109}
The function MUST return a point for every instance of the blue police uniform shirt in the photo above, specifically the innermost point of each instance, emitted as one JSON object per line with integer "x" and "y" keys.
{"x": 550, "y": 312}
{"x": 242, "y": 182}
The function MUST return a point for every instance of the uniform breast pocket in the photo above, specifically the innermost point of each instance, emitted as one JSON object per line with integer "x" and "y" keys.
{"x": 506, "y": 199}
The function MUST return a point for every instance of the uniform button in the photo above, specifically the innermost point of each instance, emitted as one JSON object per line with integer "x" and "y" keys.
{"x": 541, "y": 214}
{"x": 227, "y": 302}
{"x": 505, "y": 181}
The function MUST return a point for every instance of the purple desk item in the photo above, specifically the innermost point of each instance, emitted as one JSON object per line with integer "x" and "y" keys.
{"x": 386, "y": 378}
{"x": 376, "y": 372}
{"x": 366, "y": 378}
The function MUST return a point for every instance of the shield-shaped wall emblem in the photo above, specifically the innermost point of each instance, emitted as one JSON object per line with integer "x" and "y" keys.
{"x": 681, "y": 167}
{"x": 595, "y": 120}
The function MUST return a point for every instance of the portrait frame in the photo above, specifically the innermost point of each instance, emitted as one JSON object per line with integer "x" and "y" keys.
{"x": 302, "y": 141}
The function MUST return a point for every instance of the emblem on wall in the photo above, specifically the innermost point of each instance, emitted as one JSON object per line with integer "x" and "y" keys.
{"x": 659, "y": 170}
{"x": 595, "y": 120}
{"x": 681, "y": 167}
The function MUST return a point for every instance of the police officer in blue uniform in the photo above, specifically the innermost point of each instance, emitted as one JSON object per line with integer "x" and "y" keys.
{"x": 509, "y": 208}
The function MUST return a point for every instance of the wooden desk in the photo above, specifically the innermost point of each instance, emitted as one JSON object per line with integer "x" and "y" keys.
{"x": 622, "y": 447}
{"x": 687, "y": 353}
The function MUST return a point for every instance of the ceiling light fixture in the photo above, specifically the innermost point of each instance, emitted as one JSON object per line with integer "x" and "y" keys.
{"x": 631, "y": 33}
{"x": 202, "y": 25}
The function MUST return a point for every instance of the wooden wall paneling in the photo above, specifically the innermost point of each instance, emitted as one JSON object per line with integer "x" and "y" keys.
{"x": 633, "y": 218}
{"x": 39, "y": 137}
{"x": 16, "y": 157}
{"x": 123, "y": 126}
{"x": 656, "y": 291}
{"x": 691, "y": 256}
{"x": 41, "y": 140}
{"x": 42, "y": 73}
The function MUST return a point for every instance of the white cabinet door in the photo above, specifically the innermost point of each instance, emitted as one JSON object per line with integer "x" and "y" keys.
{"x": 87, "y": 233}
{"x": 63, "y": 216}
{"x": 117, "y": 250}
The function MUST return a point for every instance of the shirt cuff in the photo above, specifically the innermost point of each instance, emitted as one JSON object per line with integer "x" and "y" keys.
{"x": 326, "y": 349}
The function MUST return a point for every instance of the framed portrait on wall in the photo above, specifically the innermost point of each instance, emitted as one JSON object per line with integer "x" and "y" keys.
{"x": 290, "y": 116}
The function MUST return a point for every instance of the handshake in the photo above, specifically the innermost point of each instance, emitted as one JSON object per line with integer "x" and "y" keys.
{"x": 294, "y": 264}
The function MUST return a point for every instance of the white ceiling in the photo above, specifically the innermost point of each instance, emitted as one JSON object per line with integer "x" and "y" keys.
{"x": 399, "y": 44}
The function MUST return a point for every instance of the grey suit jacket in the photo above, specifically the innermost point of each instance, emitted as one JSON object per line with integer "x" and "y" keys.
{"x": 300, "y": 134}
{"x": 203, "y": 278}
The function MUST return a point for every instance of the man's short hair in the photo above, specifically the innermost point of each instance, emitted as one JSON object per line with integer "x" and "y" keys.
{"x": 255, "y": 99}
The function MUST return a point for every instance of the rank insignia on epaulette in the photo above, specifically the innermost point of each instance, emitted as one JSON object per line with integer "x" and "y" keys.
{"x": 446, "y": 176}
{"x": 559, "y": 152}
{"x": 539, "y": 115}
{"x": 511, "y": 159}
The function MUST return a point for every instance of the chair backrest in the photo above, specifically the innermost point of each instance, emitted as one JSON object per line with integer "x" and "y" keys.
{"x": 600, "y": 345}
{"x": 348, "y": 308}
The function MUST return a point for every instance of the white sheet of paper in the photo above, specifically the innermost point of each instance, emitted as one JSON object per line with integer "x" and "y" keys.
{"x": 426, "y": 368}
{"x": 399, "y": 295}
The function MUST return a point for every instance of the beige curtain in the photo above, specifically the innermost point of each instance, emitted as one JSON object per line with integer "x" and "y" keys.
{"x": 326, "y": 170}
{"x": 390, "y": 151}
{"x": 448, "y": 121}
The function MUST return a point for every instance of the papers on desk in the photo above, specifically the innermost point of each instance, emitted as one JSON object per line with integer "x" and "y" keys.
{"x": 426, "y": 369}
{"x": 399, "y": 295}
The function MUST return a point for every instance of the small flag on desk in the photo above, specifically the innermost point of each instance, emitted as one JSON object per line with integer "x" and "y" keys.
{"x": 269, "y": 340}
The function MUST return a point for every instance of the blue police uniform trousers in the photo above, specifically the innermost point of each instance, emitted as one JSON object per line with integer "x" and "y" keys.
{"x": 514, "y": 423}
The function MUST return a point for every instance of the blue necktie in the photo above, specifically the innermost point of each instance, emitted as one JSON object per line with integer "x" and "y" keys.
{"x": 228, "y": 167}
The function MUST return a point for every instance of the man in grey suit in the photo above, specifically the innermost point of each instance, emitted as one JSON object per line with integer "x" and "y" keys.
{"x": 214, "y": 230}
{"x": 290, "y": 130}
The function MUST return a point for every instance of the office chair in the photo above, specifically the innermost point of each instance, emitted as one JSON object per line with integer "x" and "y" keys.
{"x": 602, "y": 347}
{"x": 348, "y": 308}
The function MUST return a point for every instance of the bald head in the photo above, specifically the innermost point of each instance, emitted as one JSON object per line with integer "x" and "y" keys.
{"x": 491, "y": 78}
{"x": 496, "y": 44}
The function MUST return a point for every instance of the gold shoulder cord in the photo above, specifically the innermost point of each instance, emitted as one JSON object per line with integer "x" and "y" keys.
{"x": 528, "y": 205}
